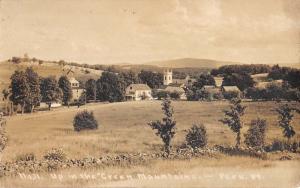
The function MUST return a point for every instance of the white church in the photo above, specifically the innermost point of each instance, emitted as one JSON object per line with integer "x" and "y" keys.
{"x": 175, "y": 85}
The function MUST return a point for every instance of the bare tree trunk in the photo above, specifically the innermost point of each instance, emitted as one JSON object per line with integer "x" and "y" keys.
{"x": 49, "y": 106}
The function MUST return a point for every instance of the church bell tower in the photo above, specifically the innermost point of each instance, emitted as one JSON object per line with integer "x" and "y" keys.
{"x": 168, "y": 77}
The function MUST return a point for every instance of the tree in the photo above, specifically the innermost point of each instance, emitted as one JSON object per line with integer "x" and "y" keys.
{"x": 202, "y": 80}
{"x": 285, "y": 117}
{"x": 233, "y": 118}
{"x": 196, "y": 136}
{"x": 242, "y": 81}
{"x": 293, "y": 78}
{"x": 239, "y": 69}
{"x": 34, "y": 93}
{"x": 152, "y": 79}
{"x": 165, "y": 128}
{"x": 16, "y": 60}
{"x": 6, "y": 93}
{"x": 278, "y": 72}
{"x": 65, "y": 86}
{"x": 50, "y": 91}
{"x": 91, "y": 89}
{"x": 110, "y": 87}
{"x": 255, "y": 136}
{"x": 129, "y": 77}
{"x": 19, "y": 89}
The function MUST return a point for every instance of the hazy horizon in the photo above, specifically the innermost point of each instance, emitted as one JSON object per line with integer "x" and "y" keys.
{"x": 132, "y": 31}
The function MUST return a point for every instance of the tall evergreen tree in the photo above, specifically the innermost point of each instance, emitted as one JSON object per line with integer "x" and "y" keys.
{"x": 65, "y": 86}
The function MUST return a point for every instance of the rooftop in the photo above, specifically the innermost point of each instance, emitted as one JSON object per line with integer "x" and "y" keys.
{"x": 135, "y": 87}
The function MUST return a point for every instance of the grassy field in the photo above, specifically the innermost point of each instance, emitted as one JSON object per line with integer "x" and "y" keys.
{"x": 123, "y": 128}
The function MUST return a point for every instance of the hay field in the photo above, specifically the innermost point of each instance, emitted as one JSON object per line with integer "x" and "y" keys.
{"x": 123, "y": 127}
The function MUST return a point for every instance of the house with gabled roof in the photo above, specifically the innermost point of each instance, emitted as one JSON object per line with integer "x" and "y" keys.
{"x": 138, "y": 92}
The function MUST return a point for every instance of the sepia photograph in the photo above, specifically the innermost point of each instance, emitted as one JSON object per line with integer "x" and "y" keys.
{"x": 150, "y": 93}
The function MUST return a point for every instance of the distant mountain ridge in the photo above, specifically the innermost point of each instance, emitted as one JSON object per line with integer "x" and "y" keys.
{"x": 190, "y": 62}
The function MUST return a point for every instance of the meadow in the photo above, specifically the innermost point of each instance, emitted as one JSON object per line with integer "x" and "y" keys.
{"x": 123, "y": 129}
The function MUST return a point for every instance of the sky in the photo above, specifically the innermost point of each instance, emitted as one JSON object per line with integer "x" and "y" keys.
{"x": 137, "y": 31}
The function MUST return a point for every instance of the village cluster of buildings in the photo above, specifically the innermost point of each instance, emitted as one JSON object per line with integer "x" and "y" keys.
{"x": 170, "y": 85}
{"x": 144, "y": 92}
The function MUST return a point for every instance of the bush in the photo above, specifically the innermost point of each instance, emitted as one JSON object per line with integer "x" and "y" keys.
{"x": 196, "y": 137}
{"x": 255, "y": 136}
{"x": 231, "y": 95}
{"x": 3, "y": 139}
{"x": 162, "y": 95}
{"x": 175, "y": 95}
{"x": 218, "y": 96}
{"x": 55, "y": 154}
{"x": 84, "y": 120}
{"x": 26, "y": 157}
{"x": 280, "y": 145}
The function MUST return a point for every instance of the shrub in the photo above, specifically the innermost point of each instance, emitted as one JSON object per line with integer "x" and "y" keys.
{"x": 3, "y": 139}
{"x": 218, "y": 96}
{"x": 26, "y": 157}
{"x": 196, "y": 137}
{"x": 175, "y": 95}
{"x": 55, "y": 154}
{"x": 84, "y": 120}
{"x": 229, "y": 95}
{"x": 162, "y": 95}
{"x": 255, "y": 136}
{"x": 283, "y": 145}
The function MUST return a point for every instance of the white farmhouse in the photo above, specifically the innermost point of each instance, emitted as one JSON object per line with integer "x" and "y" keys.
{"x": 138, "y": 92}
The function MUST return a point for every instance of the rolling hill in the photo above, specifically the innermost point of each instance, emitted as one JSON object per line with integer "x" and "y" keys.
{"x": 45, "y": 69}
{"x": 190, "y": 62}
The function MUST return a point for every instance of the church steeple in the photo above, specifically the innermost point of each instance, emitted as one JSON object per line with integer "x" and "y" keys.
{"x": 168, "y": 76}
